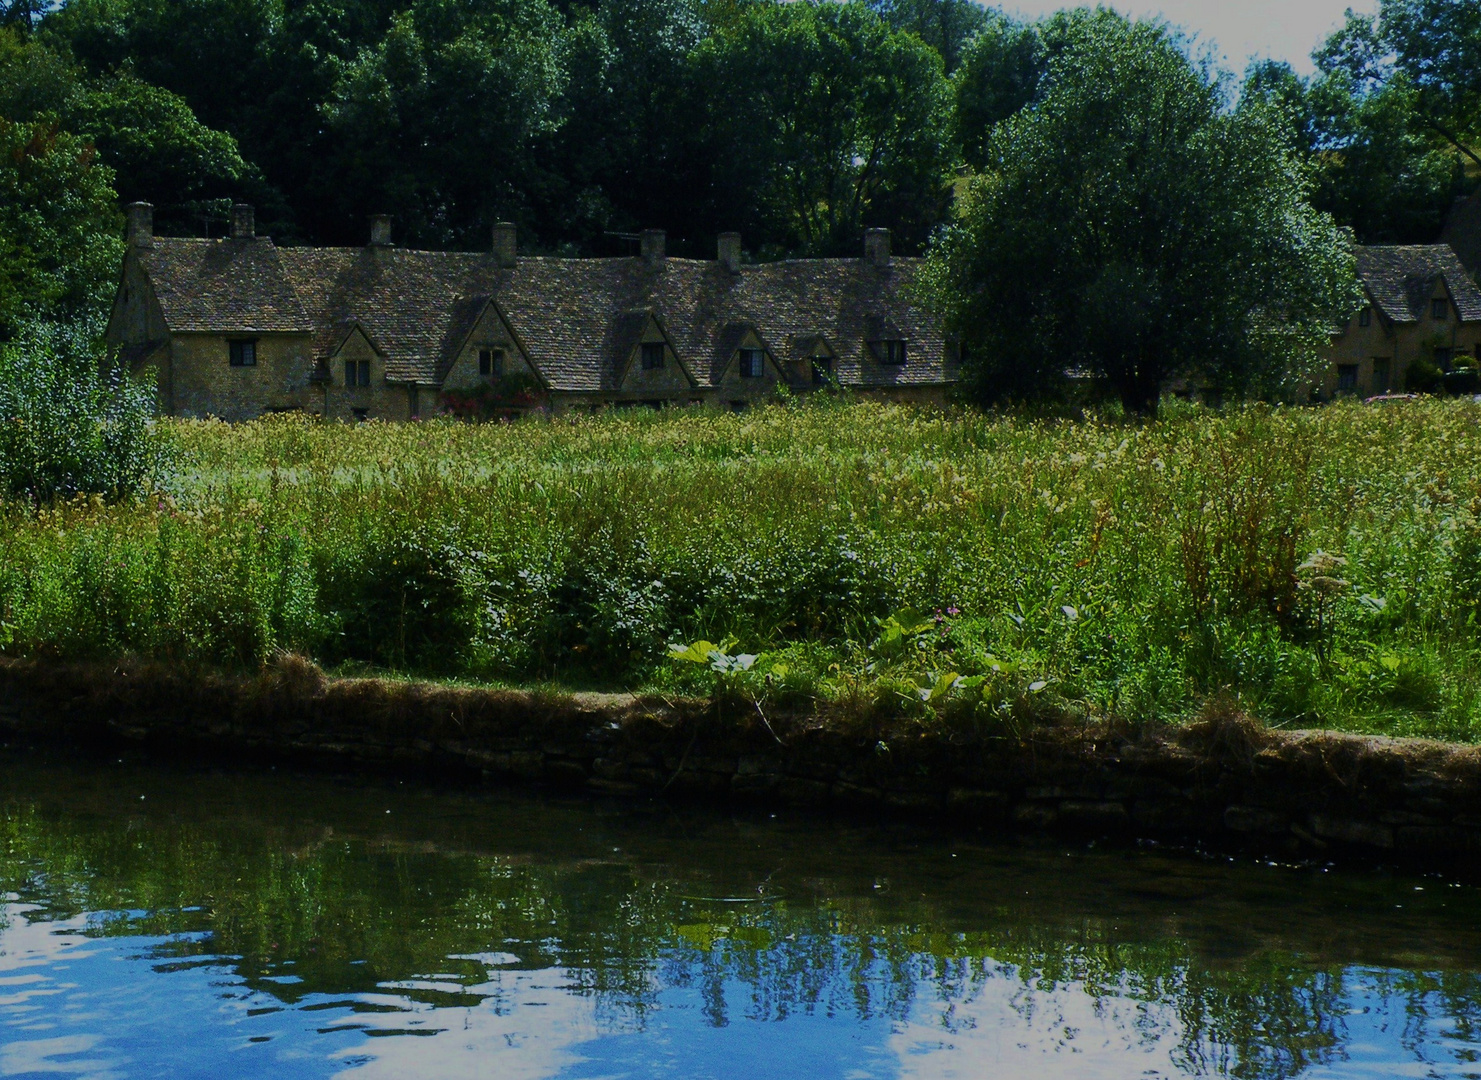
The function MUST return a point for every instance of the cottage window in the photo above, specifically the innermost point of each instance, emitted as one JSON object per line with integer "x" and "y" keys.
{"x": 892, "y": 352}
{"x": 822, "y": 370}
{"x": 491, "y": 363}
{"x": 751, "y": 363}
{"x": 1365, "y": 317}
{"x": 1347, "y": 378}
{"x": 357, "y": 372}
{"x": 652, "y": 355}
{"x": 1380, "y": 374}
{"x": 244, "y": 354}
{"x": 1440, "y": 309}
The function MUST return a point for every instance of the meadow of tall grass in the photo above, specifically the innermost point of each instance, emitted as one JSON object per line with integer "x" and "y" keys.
{"x": 1322, "y": 565}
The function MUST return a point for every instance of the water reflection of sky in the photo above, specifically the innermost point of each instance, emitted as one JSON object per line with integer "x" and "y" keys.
{"x": 99, "y": 1008}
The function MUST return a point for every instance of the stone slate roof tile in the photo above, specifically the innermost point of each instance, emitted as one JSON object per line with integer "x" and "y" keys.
{"x": 223, "y": 286}
{"x": 575, "y": 317}
{"x": 1401, "y": 280}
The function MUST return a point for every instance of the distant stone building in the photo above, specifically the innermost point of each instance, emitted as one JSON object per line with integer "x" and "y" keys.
{"x": 238, "y": 327}
{"x": 1418, "y": 304}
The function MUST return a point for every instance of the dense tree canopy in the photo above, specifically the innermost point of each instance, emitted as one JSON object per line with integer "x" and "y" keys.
{"x": 1130, "y": 226}
{"x": 587, "y": 120}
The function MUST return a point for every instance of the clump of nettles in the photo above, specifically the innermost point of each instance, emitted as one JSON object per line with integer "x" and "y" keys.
{"x": 72, "y": 422}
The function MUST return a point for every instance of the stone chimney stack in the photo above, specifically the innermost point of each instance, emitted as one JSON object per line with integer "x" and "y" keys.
{"x": 652, "y": 244}
{"x": 877, "y": 247}
{"x": 729, "y": 251}
{"x": 243, "y": 222}
{"x": 141, "y": 224}
{"x": 506, "y": 244}
{"x": 380, "y": 230}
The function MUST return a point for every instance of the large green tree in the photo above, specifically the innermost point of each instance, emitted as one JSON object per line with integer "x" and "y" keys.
{"x": 148, "y": 136}
{"x": 1131, "y": 226}
{"x": 824, "y": 119}
{"x": 60, "y": 227}
{"x": 1434, "y": 46}
{"x": 436, "y": 121}
{"x": 1377, "y": 165}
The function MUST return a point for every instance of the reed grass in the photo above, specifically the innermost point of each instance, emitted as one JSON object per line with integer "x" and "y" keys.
{"x": 1322, "y": 566}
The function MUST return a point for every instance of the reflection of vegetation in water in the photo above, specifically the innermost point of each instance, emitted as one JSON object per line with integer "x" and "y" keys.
{"x": 345, "y": 913}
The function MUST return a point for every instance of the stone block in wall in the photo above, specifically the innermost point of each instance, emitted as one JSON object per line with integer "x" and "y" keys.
{"x": 1255, "y": 819}
{"x": 1352, "y": 831}
{"x": 1035, "y": 815}
{"x": 1445, "y": 840}
{"x": 803, "y": 791}
{"x": 979, "y": 805}
{"x": 564, "y": 772}
{"x": 1097, "y": 816}
{"x": 848, "y": 794}
{"x": 751, "y": 785}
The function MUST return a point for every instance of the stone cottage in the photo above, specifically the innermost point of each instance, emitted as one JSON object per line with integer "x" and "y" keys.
{"x": 1418, "y": 303}
{"x": 239, "y": 327}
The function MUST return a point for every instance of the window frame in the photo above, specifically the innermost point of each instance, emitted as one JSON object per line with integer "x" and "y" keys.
{"x": 651, "y": 355}
{"x": 1440, "y": 309}
{"x": 490, "y": 362}
{"x": 1365, "y": 316}
{"x": 357, "y": 373}
{"x": 752, "y": 363}
{"x": 894, "y": 352}
{"x": 822, "y": 370}
{"x": 239, "y": 350}
{"x": 1347, "y": 378}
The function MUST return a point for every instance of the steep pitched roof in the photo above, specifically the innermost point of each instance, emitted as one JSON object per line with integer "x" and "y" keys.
{"x": 222, "y": 286}
{"x": 1401, "y": 280}
{"x": 574, "y": 317}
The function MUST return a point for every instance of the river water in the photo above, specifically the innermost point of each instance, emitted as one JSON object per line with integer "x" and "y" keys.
{"x": 165, "y": 921}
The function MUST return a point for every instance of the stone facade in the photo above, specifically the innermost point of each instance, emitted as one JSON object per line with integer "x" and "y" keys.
{"x": 1418, "y": 304}
{"x": 238, "y": 327}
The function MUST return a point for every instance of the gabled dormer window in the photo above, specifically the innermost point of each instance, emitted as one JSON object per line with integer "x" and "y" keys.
{"x": 822, "y": 370}
{"x": 1365, "y": 317}
{"x": 652, "y": 355}
{"x": 752, "y": 363}
{"x": 491, "y": 363}
{"x": 357, "y": 372}
{"x": 243, "y": 353}
{"x": 1440, "y": 309}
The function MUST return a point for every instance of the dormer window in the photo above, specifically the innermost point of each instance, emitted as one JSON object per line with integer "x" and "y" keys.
{"x": 1365, "y": 317}
{"x": 822, "y": 370}
{"x": 491, "y": 363}
{"x": 243, "y": 353}
{"x": 752, "y": 363}
{"x": 892, "y": 352}
{"x": 1440, "y": 309}
{"x": 652, "y": 355}
{"x": 357, "y": 372}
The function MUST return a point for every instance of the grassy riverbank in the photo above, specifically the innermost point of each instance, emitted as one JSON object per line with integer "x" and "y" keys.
{"x": 866, "y": 552}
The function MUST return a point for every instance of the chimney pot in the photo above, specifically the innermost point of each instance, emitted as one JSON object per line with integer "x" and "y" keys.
{"x": 243, "y": 223}
{"x": 506, "y": 243}
{"x": 728, "y": 251}
{"x": 380, "y": 230}
{"x": 141, "y": 224}
{"x": 877, "y": 246}
{"x": 652, "y": 245}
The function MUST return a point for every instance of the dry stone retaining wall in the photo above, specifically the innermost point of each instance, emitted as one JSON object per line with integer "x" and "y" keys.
{"x": 1224, "y": 781}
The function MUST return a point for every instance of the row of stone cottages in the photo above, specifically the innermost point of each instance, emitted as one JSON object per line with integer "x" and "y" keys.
{"x": 238, "y": 327}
